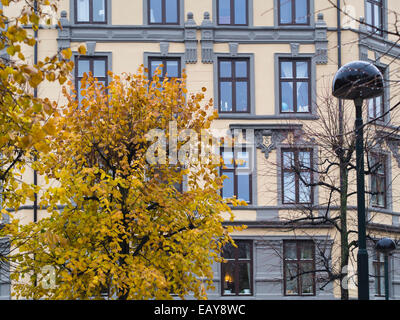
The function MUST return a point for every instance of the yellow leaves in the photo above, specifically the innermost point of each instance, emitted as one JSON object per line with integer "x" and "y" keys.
{"x": 66, "y": 53}
{"x": 82, "y": 50}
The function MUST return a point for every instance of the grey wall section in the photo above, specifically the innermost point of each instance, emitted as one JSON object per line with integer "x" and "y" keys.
{"x": 5, "y": 285}
{"x": 268, "y": 271}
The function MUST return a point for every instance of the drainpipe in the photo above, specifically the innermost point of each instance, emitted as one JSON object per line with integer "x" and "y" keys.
{"x": 35, "y": 94}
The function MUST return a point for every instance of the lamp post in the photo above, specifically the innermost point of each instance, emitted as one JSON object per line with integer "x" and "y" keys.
{"x": 386, "y": 246}
{"x": 359, "y": 80}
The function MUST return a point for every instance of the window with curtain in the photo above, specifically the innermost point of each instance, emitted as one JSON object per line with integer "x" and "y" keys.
{"x": 237, "y": 169}
{"x": 163, "y": 11}
{"x": 299, "y": 266}
{"x": 295, "y": 85}
{"x": 376, "y": 106}
{"x": 232, "y": 12}
{"x": 294, "y": 12}
{"x": 374, "y": 16}
{"x": 233, "y": 85}
{"x": 97, "y": 66}
{"x": 90, "y": 11}
{"x": 378, "y": 169}
{"x": 379, "y": 273}
{"x": 237, "y": 272}
{"x": 297, "y": 176}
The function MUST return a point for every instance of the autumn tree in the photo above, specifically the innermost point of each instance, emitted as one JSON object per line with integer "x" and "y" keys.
{"x": 136, "y": 223}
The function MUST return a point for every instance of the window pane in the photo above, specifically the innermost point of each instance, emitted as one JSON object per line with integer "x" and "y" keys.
{"x": 224, "y": 12}
{"x": 229, "y": 280}
{"x": 226, "y": 96}
{"x": 229, "y": 251}
{"x": 306, "y": 251}
{"x": 368, "y": 17}
{"x": 99, "y": 11}
{"x": 83, "y": 10}
{"x": 306, "y": 278}
{"x": 171, "y": 11}
{"x": 225, "y": 69}
{"x": 285, "y": 11}
{"x": 243, "y": 187}
{"x": 373, "y": 190}
{"x": 243, "y": 160}
{"x": 288, "y": 159}
{"x": 172, "y": 69}
{"x": 291, "y": 250}
{"x": 241, "y": 96}
{"x": 302, "y": 97}
{"x": 371, "y": 108}
{"x": 304, "y": 188}
{"x": 80, "y": 97}
{"x": 241, "y": 69}
{"x": 155, "y": 11}
{"x": 228, "y": 159}
{"x": 377, "y": 17}
{"x": 301, "y": 11}
{"x": 287, "y": 96}
{"x": 227, "y": 190}
{"x": 240, "y": 11}
{"x": 301, "y": 69}
{"x": 286, "y": 69}
{"x": 244, "y": 250}
{"x": 83, "y": 66}
{"x": 304, "y": 160}
{"x": 154, "y": 64}
{"x": 378, "y": 104}
{"x": 244, "y": 278}
{"x": 291, "y": 279}
{"x": 289, "y": 187}
{"x": 99, "y": 67}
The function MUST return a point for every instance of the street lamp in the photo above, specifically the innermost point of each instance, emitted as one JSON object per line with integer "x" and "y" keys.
{"x": 386, "y": 246}
{"x": 359, "y": 80}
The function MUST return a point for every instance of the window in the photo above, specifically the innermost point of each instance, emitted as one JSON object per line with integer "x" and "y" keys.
{"x": 163, "y": 11}
{"x": 237, "y": 272}
{"x": 294, "y": 85}
{"x": 297, "y": 176}
{"x": 378, "y": 180}
{"x": 171, "y": 67}
{"x": 237, "y": 169}
{"x": 233, "y": 85}
{"x": 299, "y": 266}
{"x": 376, "y": 106}
{"x": 294, "y": 12}
{"x": 379, "y": 273}
{"x": 374, "y": 16}
{"x": 90, "y": 11}
{"x": 96, "y": 65}
{"x": 232, "y": 12}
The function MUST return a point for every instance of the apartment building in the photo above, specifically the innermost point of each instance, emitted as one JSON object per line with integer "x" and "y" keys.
{"x": 267, "y": 64}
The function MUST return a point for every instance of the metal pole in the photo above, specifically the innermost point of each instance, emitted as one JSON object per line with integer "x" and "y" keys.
{"x": 386, "y": 277}
{"x": 362, "y": 255}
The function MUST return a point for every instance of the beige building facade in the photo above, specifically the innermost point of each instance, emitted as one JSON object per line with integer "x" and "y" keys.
{"x": 267, "y": 65}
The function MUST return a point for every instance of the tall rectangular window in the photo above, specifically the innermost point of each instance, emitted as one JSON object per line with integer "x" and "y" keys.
{"x": 233, "y": 85}
{"x": 294, "y": 85}
{"x": 237, "y": 169}
{"x": 297, "y": 176}
{"x": 90, "y": 11}
{"x": 232, "y": 12}
{"x": 378, "y": 180}
{"x": 376, "y": 106}
{"x": 237, "y": 272}
{"x": 299, "y": 268}
{"x": 97, "y": 66}
{"x": 170, "y": 67}
{"x": 379, "y": 273}
{"x": 294, "y": 12}
{"x": 163, "y": 11}
{"x": 374, "y": 16}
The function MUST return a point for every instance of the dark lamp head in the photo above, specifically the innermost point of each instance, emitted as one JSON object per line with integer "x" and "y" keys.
{"x": 358, "y": 79}
{"x": 385, "y": 245}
